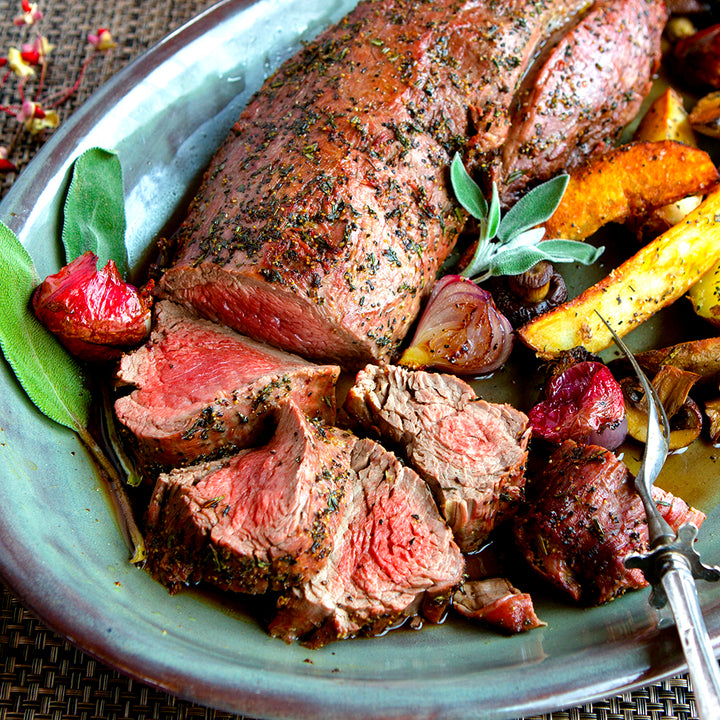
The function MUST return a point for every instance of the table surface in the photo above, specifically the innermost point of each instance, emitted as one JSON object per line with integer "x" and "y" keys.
{"x": 41, "y": 674}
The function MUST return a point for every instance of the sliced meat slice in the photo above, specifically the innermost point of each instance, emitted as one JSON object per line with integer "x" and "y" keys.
{"x": 589, "y": 87}
{"x": 201, "y": 388}
{"x": 263, "y": 518}
{"x": 497, "y": 603}
{"x": 472, "y": 453}
{"x": 393, "y": 549}
{"x": 585, "y": 518}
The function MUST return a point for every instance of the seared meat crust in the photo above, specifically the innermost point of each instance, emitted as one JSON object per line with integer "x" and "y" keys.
{"x": 590, "y": 86}
{"x": 326, "y": 214}
{"x": 585, "y": 518}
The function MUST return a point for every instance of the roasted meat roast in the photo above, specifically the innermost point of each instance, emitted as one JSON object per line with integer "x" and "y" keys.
{"x": 316, "y": 234}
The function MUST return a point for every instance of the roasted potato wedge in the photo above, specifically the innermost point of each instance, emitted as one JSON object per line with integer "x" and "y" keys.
{"x": 666, "y": 119}
{"x": 629, "y": 181}
{"x": 705, "y": 295}
{"x": 654, "y": 277}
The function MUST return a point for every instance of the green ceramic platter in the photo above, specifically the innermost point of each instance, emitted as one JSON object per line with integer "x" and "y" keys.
{"x": 61, "y": 547}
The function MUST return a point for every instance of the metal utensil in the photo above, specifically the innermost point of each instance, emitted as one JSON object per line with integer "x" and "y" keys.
{"x": 672, "y": 563}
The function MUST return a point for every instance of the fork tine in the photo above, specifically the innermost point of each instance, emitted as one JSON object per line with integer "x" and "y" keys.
{"x": 656, "y": 446}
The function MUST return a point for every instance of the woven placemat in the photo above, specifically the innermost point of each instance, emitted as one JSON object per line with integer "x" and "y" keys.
{"x": 42, "y": 676}
{"x": 135, "y": 26}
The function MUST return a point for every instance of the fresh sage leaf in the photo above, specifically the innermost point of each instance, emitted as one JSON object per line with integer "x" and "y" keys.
{"x": 94, "y": 211}
{"x": 520, "y": 259}
{"x": 571, "y": 251}
{"x": 50, "y": 377}
{"x": 516, "y": 261}
{"x": 494, "y": 215}
{"x": 529, "y": 237}
{"x": 467, "y": 191}
{"x": 512, "y": 244}
{"x": 534, "y": 208}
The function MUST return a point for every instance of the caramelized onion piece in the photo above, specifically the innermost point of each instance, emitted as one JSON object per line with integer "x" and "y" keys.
{"x": 94, "y": 313}
{"x": 460, "y": 330}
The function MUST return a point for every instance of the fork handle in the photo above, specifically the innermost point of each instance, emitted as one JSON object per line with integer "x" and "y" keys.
{"x": 679, "y": 585}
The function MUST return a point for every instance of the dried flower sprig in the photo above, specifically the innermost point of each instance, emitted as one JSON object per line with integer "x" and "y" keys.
{"x": 27, "y": 64}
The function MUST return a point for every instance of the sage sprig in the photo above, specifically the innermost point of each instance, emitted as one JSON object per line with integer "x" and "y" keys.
{"x": 54, "y": 381}
{"x": 511, "y": 245}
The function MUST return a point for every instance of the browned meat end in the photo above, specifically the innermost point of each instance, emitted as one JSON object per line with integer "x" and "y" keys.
{"x": 497, "y": 603}
{"x": 263, "y": 518}
{"x": 201, "y": 388}
{"x": 585, "y": 519}
{"x": 325, "y": 215}
{"x": 393, "y": 550}
{"x": 584, "y": 93}
{"x": 471, "y": 453}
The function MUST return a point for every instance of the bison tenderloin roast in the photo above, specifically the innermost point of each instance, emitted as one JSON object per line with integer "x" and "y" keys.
{"x": 325, "y": 215}
{"x": 585, "y": 518}
{"x": 262, "y": 518}
{"x": 393, "y": 549}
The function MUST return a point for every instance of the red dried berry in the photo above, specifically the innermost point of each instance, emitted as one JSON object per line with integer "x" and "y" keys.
{"x": 584, "y": 403}
{"x": 94, "y": 313}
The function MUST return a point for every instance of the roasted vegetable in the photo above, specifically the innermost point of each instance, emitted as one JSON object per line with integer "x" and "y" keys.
{"x": 701, "y": 357}
{"x": 94, "y": 313}
{"x": 705, "y": 116}
{"x": 705, "y": 295}
{"x": 712, "y": 410}
{"x": 696, "y": 58}
{"x": 666, "y": 119}
{"x": 654, "y": 277}
{"x": 629, "y": 181}
{"x": 673, "y": 387}
{"x": 584, "y": 403}
{"x": 460, "y": 331}
{"x": 522, "y": 297}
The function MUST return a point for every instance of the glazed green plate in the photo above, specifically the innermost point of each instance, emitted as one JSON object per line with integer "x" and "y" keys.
{"x": 61, "y": 547}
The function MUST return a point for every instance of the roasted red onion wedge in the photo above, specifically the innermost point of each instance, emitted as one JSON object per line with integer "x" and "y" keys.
{"x": 460, "y": 331}
{"x": 94, "y": 313}
{"x": 583, "y": 403}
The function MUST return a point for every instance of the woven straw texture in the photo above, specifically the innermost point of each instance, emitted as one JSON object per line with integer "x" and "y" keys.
{"x": 42, "y": 676}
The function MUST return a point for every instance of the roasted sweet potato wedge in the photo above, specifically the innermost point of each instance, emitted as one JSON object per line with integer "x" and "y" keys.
{"x": 666, "y": 119}
{"x": 629, "y": 181}
{"x": 654, "y": 277}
